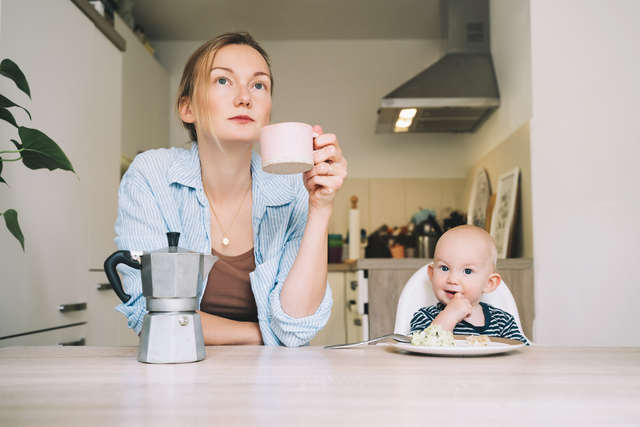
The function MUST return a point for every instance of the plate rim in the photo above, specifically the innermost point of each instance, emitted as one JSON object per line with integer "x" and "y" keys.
{"x": 459, "y": 351}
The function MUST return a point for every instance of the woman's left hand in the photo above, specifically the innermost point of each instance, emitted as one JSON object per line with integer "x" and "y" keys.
{"x": 328, "y": 173}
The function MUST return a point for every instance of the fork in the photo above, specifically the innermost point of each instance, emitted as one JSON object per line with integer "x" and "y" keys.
{"x": 397, "y": 337}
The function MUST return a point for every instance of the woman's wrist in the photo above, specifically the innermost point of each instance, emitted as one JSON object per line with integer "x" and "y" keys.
{"x": 320, "y": 213}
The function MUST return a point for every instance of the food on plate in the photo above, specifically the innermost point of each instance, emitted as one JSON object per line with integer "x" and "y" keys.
{"x": 433, "y": 336}
{"x": 478, "y": 340}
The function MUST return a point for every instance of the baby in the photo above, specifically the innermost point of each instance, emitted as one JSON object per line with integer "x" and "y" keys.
{"x": 463, "y": 269}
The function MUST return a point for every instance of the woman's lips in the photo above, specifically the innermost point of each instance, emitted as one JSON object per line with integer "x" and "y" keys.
{"x": 241, "y": 119}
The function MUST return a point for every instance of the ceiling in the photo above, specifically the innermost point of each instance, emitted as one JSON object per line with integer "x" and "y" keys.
{"x": 289, "y": 19}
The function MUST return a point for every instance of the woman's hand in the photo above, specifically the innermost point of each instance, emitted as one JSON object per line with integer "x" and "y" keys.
{"x": 328, "y": 173}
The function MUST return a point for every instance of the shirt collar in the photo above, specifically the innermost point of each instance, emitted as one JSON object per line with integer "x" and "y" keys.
{"x": 185, "y": 170}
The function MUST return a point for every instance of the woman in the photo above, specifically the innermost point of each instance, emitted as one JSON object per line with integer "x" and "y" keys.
{"x": 269, "y": 231}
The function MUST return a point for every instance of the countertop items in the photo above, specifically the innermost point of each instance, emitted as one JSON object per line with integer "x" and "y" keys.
{"x": 277, "y": 386}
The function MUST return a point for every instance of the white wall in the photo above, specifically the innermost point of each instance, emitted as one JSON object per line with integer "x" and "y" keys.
{"x": 584, "y": 152}
{"x": 145, "y": 86}
{"x": 511, "y": 53}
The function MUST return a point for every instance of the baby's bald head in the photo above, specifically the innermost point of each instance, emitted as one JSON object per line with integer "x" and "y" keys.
{"x": 472, "y": 234}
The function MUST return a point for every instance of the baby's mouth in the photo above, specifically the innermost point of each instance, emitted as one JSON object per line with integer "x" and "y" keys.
{"x": 450, "y": 294}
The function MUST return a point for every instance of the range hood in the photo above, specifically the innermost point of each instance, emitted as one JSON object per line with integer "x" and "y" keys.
{"x": 458, "y": 92}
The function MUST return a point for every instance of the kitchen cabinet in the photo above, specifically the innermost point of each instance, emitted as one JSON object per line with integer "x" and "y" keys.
{"x": 385, "y": 279}
{"x": 105, "y": 325}
{"x": 71, "y": 336}
{"x": 345, "y": 323}
{"x": 75, "y": 75}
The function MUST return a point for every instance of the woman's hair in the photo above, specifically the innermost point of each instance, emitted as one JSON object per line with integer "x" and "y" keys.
{"x": 195, "y": 78}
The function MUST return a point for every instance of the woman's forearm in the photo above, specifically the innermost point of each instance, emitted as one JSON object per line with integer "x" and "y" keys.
{"x": 220, "y": 331}
{"x": 306, "y": 283}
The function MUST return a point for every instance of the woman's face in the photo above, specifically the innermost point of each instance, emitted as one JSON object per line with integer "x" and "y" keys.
{"x": 239, "y": 94}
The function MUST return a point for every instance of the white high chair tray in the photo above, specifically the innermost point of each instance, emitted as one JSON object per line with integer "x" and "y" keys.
{"x": 496, "y": 346}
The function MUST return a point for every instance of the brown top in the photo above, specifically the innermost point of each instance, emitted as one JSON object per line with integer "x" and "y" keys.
{"x": 228, "y": 293}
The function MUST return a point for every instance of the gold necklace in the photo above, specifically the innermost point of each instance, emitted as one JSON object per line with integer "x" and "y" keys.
{"x": 225, "y": 240}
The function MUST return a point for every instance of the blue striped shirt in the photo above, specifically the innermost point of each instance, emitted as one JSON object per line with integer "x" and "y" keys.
{"x": 162, "y": 191}
{"x": 497, "y": 323}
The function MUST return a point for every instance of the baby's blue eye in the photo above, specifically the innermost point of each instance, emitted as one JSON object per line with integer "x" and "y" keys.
{"x": 467, "y": 271}
{"x": 259, "y": 86}
{"x": 444, "y": 268}
{"x": 222, "y": 81}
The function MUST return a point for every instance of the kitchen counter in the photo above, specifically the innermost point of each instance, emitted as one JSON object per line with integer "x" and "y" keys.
{"x": 311, "y": 386}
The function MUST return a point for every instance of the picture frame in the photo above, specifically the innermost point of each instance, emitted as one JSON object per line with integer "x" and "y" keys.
{"x": 504, "y": 210}
{"x": 479, "y": 200}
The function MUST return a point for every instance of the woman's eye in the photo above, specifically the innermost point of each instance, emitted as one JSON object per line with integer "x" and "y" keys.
{"x": 222, "y": 81}
{"x": 258, "y": 86}
{"x": 444, "y": 268}
{"x": 467, "y": 271}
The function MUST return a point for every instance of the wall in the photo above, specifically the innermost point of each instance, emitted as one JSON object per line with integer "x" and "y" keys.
{"x": 145, "y": 97}
{"x": 511, "y": 53}
{"x": 512, "y": 152}
{"x": 584, "y": 154}
{"x": 393, "y": 201}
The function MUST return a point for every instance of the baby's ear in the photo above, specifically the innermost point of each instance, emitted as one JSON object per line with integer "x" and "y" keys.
{"x": 430, "y": 271}
{"x": 492, "y": 283}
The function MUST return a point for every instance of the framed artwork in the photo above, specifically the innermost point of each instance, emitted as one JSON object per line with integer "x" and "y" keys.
{"x": 479, "y": 201}
{"x": 502, "y": 219}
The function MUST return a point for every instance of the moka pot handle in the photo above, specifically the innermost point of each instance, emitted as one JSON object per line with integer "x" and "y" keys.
{"x": 119, "y": 257}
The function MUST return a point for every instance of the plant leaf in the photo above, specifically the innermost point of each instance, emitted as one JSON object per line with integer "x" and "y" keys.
{"x": 17, "y": 144}
{"x": 11, "y": 219}
{"x": 7, "y": 103}
{"x": 9, "y": 69}
{"x": 40, "y": 151}
{"x": 7, "y": 116}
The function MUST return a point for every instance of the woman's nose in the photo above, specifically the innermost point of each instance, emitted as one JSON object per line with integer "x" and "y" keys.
{"x": 243, "y": 97}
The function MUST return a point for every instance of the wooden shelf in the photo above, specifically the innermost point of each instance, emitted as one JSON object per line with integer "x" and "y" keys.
{"x": 102, "y": 24}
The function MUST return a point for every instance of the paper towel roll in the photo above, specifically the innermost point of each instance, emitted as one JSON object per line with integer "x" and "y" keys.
{"x": 354, "y": 230}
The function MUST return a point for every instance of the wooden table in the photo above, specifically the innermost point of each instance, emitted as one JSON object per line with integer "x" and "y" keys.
{"x": 311, "y": 386}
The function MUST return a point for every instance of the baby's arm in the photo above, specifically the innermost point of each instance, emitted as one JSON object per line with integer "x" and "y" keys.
{"x": 458, "y": 309}
{"x": 423, "y": 318}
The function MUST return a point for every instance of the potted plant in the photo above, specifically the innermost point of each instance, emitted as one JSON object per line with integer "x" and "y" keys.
{"x": 35, "y": 149}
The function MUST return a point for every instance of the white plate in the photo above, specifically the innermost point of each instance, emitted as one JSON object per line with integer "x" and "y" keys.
{"x": 460, "y": 349}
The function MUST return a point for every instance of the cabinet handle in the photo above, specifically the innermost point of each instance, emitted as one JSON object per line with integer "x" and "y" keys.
{"x": 104, "y": 287}
{"x": 357, "y": 322}
{"x": 73, "y": 343}
{"x": 354, "y": 285}
{"x": 65, "y": 308}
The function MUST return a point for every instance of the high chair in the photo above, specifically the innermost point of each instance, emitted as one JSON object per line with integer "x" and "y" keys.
{"x": 418, "y": 293}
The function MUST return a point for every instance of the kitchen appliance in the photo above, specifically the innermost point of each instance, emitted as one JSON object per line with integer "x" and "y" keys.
{"x": 459, "y": 91}
{"x": 172, "y": 282}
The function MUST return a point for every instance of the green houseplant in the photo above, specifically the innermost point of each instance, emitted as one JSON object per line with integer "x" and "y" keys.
{"x": 35, "y": 149}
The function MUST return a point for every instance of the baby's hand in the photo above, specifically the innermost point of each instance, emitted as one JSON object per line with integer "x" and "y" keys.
{"x": 459, "y": 307}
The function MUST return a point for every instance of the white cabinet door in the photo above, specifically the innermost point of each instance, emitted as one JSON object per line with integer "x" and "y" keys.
{"x": 74, "y": 335}
{"x": 334, "y": 331}
{"x": 75, "y": 77}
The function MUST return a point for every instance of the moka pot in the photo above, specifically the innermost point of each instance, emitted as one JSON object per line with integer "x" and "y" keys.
{"x": 172, "y": 282}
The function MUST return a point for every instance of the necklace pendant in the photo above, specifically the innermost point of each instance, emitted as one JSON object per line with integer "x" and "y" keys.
{"x": 225, "y": 241}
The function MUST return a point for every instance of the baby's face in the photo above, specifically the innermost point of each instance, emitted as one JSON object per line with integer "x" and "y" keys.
{"x": 462, "y": 264}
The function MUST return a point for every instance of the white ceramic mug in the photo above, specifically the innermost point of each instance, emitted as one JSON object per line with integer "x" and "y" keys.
{"x": 287, "y": 148}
